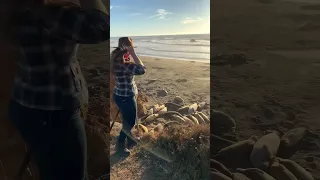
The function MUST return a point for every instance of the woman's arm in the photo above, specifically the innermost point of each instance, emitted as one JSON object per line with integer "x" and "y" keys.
{"x": 134, "y": 55}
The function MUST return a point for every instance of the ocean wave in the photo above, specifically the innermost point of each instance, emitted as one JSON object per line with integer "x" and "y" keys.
{"x": 198, "y": 43}
{"x": 179, "y": 51}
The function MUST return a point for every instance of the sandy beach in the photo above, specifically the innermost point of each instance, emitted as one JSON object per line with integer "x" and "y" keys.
{"x": 187, "y": 79}
{"x": 276, "y": 86}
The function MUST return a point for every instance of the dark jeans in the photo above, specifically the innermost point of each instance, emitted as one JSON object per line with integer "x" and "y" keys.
{"x": 56, "y": 139}
{"x": 128, "y": 109}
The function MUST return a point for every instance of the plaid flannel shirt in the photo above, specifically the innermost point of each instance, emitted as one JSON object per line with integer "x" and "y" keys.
{"x": 49, "y": 75}
{"x": 124, "y": 77}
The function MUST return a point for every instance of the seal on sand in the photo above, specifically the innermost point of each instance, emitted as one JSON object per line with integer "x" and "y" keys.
{"x": 199, "y": 118}
{"x": 255, "y": 174}
{"x": 291, "y": 142}
{"x": 220, "y": 167}
{"x": 193, "y": 119}
{"x": 178, "y": 118}
{"x": 218, "y": 176}
{"x": 170, "y": 123}
{"x": 168, "y": 114}
{"x": 172, "y": 106}
{"x": 151, "y": 118}
{"x": 193, "y": 108}
{"x": 296, "y": 169}
{"x": 183, "y": 110}
{"x": 240, "y": 176}
{"x": 237, "y": 155}
{"x": 266, "y": 147}
{"x": 220, "y": 120}
{"x": 279, "y": 171}
{"x": 205, "y": 117}
{"x": 142, "y": 128}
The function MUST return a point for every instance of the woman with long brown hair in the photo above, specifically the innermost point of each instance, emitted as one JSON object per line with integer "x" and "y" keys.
{"x": 49, "y": 87}
{"x": 125, "y": 90}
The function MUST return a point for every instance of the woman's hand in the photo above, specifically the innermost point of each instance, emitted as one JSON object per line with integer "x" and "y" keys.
{"x": 130, "y": 49}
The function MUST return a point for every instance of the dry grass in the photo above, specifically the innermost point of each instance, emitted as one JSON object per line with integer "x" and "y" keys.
{"x": 186, "y": 148}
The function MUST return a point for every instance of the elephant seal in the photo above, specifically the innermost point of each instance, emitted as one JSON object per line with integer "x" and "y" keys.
{"x": 237, "y": 155}
{"x": 255, "y": 174}
{"x": 172, "y": 106}
{"x": 218, "y": 176}
{"x": 193, "y": 119}
{"x": 199, "y": 118}
{"x": 296, "y": 169}
{"x": 266, "y": 147}
{"x": 279, "y": 171}
{"x": 168, "y": 114}
{"x": 220, "y": 167}
{"x": 291, "y": 142}
{"x": 193, "y": 108}
{"x": 183, "y": 110}
{"x": 221, "y": 121}
{"x": 240, "y": 176}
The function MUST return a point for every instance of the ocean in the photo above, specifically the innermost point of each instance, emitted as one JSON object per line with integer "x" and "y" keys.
{"x": 171, "y": 46}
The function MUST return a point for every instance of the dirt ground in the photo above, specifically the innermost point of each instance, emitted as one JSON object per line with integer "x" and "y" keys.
{"x": 278, "y": 86}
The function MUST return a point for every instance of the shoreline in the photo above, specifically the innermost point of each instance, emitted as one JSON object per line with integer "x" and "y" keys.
{"x": 175, "y": 59}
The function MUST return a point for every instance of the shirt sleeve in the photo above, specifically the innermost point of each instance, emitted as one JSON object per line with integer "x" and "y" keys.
{"x": 135, "y": 69}
{"x": 82, "y": 26}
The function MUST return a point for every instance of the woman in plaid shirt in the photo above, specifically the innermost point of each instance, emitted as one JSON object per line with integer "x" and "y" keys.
{"x": 125, "y": 90}
{"x": 49, "y": 87}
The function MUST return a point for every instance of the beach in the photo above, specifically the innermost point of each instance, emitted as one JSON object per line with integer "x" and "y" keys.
{"x": 276, "y": 85}
{"x": 187, "y": 79}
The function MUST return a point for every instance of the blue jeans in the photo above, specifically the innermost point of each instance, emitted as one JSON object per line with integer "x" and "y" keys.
{"x": 56, "y": 139}
{"x": 128, "y": 109}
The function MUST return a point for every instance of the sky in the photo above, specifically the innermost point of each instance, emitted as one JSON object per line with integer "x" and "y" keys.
{"x": 159, "y": 17}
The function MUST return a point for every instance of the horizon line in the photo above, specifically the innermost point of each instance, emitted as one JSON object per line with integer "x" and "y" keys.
{"x": 160, "y": 35}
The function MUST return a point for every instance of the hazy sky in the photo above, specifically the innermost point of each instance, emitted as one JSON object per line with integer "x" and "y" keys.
{"x": 159, "y": 17}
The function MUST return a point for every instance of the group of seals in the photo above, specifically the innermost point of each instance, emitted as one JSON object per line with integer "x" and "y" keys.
{"x": 261, "y": 158}
{"x": 170, "y": 114}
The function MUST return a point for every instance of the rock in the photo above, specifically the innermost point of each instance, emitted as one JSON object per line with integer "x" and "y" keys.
{"x": 178, "y": 100}
{"x": 162, "y": 93}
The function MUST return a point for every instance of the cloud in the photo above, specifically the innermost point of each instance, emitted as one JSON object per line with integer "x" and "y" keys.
{"x": 189, "y": 20}
{"x": 161, "y": 14}
{"x": 135, "y": 14}
{"x": 111, "y": 7}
